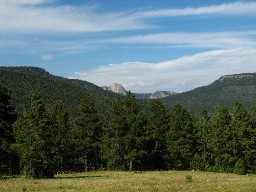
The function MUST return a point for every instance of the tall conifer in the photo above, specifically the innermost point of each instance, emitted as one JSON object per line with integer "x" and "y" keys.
{"x": 90, "y": 127}
{"x": 7, "y": 118}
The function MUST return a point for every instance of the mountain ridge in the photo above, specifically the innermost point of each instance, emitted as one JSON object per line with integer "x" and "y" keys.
{"x": 118, "y": 88}
{"x": 23, "y": 81}
{"x": 224, "y": 91}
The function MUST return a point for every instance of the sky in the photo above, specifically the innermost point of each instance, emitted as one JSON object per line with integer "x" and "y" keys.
{"x": 145, "y": 45}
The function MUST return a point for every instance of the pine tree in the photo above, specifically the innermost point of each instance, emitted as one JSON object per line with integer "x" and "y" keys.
{"x": 113, "y": 145}
{"x": 61, "y": 138}
{"x": 202, "y": 157}
{"x": 241, "y": 122}
{"x": 249, "y": 142}
{"x": 126, "y": 135}
{"x": 180, "y": 139}
{"x": 90, "y": 127}
{"x": 134, "y": 122}
{"x": 159, "y": 120}
{"x": 7, "y": 118}
{"x": 32, "y": 140}
{"x": 222, "y": 141}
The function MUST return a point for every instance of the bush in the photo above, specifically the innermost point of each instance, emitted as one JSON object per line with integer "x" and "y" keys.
{"x": 197, "y": 163}
{"x": 188, "y": 178}
{"x": 240, "y": 167}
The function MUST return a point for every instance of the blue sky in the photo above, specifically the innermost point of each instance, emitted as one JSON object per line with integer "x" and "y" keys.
{"x": 145, "y": 45}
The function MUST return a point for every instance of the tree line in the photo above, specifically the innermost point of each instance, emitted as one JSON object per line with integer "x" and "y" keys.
{"x": 42, "y": 141}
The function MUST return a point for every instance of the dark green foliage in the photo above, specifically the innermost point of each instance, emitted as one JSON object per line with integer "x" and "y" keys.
{"x": 244, "y": 126}
{"x": 32, "y": 132}
{"x": 251, "y": 142}
{"x": 189, "y": 178}
{"x": 180, "y": 139}
{"x": 158, "y": 119}
{"x": 240, "y": 167}
{"x": 222, "y": 143}
{"x": 202, "y": 136}
{"x": 125, "y": 137}
{"x": 89, "y": 126}
{"x": 61, "y": 139}
{"x": 73, "y": 131}
{"x": 113, "y": 147}
{"x": 241, "y": 121}
{"x": 23, "y": 81}
{"x": 7, "y": 118}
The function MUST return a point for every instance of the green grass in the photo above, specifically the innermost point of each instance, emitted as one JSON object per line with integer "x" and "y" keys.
{"x": 131, "y": 181}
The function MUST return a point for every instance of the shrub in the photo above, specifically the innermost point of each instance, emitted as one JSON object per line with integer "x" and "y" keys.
{"x": 188, "y": 178}
{"x": 240, "y": 167}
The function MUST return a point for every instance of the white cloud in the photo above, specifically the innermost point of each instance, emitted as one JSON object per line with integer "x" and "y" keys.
{"x": 235, "y": 8}
{"x": 177, "y": 75}
{"x": 25, "y": 2}
{"x": 215, "y": 40}
{"x": 20, "y": 18}
{"x": 47, "y": 57}
{"x": 28, "y": 16}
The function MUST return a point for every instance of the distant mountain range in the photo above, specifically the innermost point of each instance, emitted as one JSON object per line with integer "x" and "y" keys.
{"x": 23, "y": 81}
{"x": 224, "y": 92}
{"x": 118, "y": 88}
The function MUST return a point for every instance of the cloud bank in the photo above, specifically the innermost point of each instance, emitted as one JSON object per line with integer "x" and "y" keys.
{"x": 178, "y": 75}
{"x": 216, "y": 40}
{"x": 42, "y": 16}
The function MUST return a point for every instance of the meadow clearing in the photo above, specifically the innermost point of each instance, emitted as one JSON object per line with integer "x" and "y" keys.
{"x": 116, "y": 181}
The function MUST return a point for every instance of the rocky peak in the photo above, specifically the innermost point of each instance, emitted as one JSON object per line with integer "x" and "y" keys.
{"x": 116, "y": 88}
{"x": 155, "y": 95}
{"x": 236, "y": 76}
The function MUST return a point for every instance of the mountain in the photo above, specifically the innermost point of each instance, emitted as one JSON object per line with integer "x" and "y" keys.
{"x": 155, "y": 95}
{"x": 224, "y": 92}
{"x": 118, "y": 88}
{"x": 23, "y": 81}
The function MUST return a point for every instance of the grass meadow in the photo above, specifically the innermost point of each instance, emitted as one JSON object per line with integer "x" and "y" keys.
{"x": 115, "y": 181}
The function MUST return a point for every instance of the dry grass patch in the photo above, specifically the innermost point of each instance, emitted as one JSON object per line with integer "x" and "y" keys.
{"x": 130, "y": 181}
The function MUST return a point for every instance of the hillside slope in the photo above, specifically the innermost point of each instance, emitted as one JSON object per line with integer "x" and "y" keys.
{"x": 23, "y": 81}
{"x": 224, "y": 92}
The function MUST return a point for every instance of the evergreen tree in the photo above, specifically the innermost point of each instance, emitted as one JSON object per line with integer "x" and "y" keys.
{"x": 113, "y": 145}
{"x": 241, "y": 123}
{"x": 61, "y": 141}
{"x": 180, "y": 139}
{"x": 32, "y": 136}
{"x": 90, "y": 127}
{"x": 159, "y": 119}
{"x": 126, "y": 136}
{"x": 202, "y": 157}
{"x": 222, "y": 141}
{"x": 7, "y": 118}
{"x": 134, "y": 136}
{"x": 249, "y": 142}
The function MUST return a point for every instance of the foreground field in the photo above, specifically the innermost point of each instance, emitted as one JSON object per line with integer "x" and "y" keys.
{"x": 131, "y": 181}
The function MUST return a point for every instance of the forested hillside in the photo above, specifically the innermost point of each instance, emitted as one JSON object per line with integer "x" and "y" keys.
{"x": 224, "y": 92}
{"x": 69, "y": 125}
{"x": 41, "y": 142}
{"x": 23, "y": 81}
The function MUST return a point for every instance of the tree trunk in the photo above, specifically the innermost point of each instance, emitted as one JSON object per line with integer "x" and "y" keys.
{"x": 85, "y": 164}
{"x": 131, "y": 165}
{"x": 29, "y": 172}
